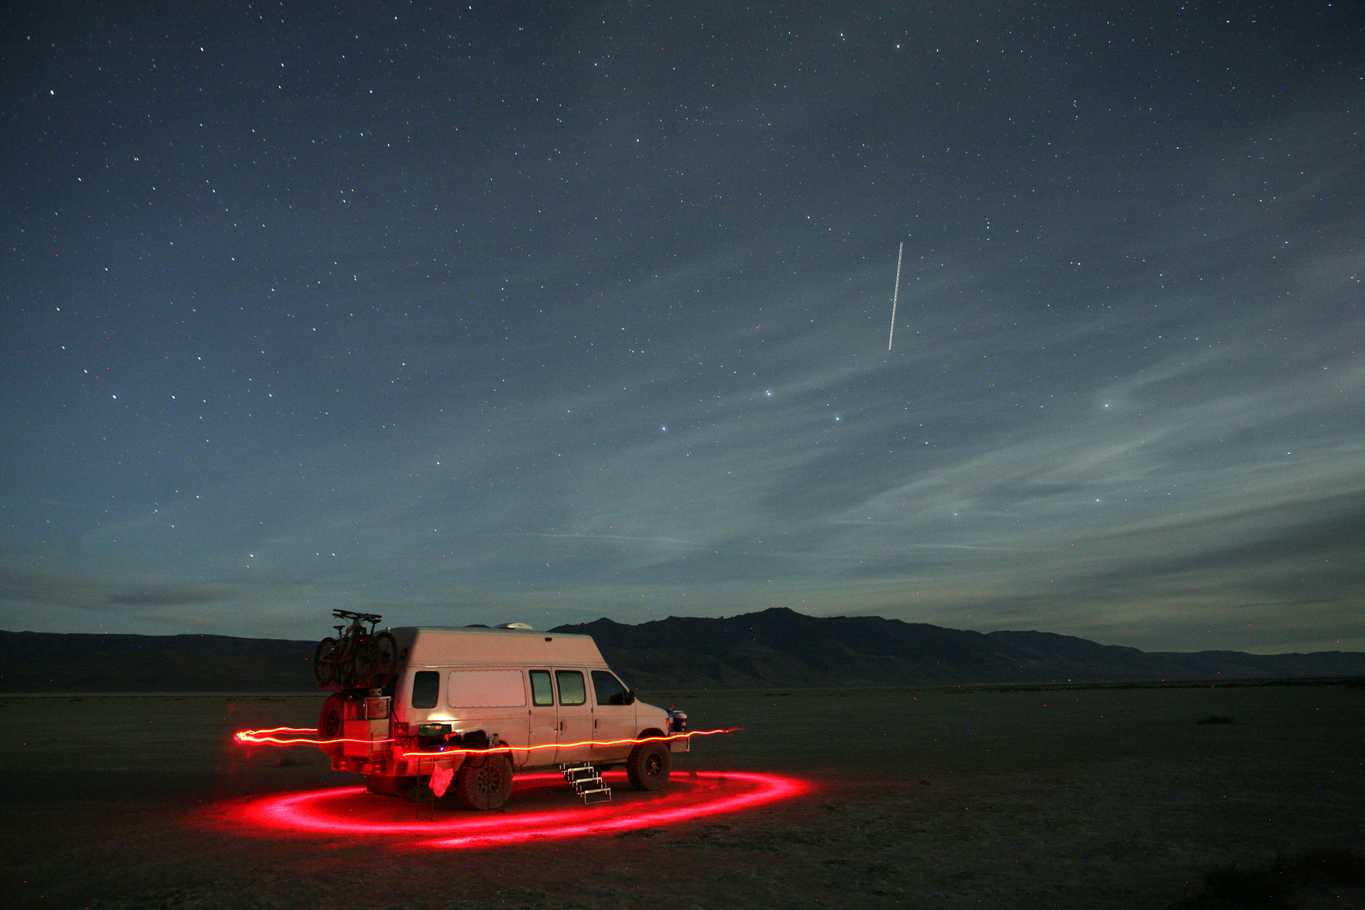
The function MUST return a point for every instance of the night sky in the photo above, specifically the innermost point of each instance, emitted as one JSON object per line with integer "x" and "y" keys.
{"x": 545, "y": 313}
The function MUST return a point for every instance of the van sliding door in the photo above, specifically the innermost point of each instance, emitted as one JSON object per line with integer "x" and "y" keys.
{"x": 575, "y": 716}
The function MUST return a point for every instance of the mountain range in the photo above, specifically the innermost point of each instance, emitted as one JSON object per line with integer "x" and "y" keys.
{"x": 773, "y": 648}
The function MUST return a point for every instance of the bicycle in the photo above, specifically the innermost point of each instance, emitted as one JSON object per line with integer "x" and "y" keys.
{"x": 357, "y": 657}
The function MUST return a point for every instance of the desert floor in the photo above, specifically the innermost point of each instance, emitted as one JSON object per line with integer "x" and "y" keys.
{"x": 1115, "y": 797}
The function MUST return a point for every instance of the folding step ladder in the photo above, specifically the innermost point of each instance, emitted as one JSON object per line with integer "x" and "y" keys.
{"x": 587, "y": 783}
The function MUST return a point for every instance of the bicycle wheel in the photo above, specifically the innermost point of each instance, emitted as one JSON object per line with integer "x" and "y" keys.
{"x": 324, "y": 662}
{"x": 364, "y": 661}
{"x": 345, "y": 662}
{"x": 385, "y": 650}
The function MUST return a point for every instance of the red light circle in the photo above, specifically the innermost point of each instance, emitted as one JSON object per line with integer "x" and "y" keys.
{"x": 353, "y": 811}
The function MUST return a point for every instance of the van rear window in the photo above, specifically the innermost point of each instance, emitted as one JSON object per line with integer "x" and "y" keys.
{"x": 425, "y": 685}
{"x": 486, "y": 689}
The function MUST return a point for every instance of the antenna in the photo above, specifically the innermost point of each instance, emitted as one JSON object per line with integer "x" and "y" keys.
{"x": 895, "y": 296}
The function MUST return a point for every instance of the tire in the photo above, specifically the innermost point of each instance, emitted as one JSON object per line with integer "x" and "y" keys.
{"x": 384, "y": 653}
{"x": 332, "y": 723}
{"x": 324, "y": 662}
{"x": 648, "y": 766}
{"x": 483, "y": 783}
{"x": 345, "y": 662}
{"x": 362, "y": 654}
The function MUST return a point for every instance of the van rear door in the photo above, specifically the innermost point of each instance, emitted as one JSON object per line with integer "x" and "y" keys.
{"x": 575, "y": 716}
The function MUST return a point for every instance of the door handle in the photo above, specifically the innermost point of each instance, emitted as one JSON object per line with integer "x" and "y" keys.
{"x": 594, "y": 723}
{"x": 561, "y": 726}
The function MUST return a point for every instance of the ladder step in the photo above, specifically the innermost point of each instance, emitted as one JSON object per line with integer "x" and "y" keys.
{"x": 601, "y": 795}
{"x": 587, "y": 782}
{"x": 572, "y": 771}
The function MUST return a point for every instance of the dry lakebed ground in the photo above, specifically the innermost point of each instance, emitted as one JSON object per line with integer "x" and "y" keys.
{"x": 1191, "y": 796}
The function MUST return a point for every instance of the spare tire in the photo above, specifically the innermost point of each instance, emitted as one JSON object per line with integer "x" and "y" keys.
{"x": 332, "y": 724}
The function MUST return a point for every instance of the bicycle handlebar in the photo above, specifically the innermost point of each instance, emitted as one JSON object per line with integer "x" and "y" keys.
{"x": 360, "y": 617}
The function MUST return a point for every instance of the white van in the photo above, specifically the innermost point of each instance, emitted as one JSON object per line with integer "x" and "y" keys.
{"x": 550, "y": 697}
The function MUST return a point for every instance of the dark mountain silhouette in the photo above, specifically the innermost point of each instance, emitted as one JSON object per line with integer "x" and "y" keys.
{"x": 780, "y": 647}
{"x": 776, "y": 647}
{"x": 46, "y": 662}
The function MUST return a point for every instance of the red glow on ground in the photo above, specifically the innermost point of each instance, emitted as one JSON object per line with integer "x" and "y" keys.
{"x": 551, "y": 811}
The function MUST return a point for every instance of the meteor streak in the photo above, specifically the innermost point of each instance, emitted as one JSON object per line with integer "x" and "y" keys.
{"x": 895, "y": 296}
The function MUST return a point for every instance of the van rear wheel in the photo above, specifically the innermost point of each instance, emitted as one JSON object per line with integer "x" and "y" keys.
{"x": 483, "y": 783}
{"x": 648, "y": 766}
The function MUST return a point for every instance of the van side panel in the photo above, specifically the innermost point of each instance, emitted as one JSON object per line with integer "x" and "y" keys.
{"x": 494, "y": 701}
{"x": 486, "y": 689}
{"x": 494, "y": 648}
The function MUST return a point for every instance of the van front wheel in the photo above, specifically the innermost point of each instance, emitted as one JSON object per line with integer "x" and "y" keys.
{"x": 483, "y": 783}
{"x": 648, "y": 766}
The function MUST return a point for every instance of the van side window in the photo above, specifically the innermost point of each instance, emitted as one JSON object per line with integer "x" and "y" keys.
{"x": 425, "y": 685}
{"x": 571, "y": 691}
{"x": 609, "y": 689}
{"x": 541, "y": 693}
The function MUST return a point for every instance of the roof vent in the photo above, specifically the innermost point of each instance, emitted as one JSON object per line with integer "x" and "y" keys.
{"x": 516, "y": 626}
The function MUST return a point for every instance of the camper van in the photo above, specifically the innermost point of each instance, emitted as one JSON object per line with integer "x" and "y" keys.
{"x": 550, "y": 697}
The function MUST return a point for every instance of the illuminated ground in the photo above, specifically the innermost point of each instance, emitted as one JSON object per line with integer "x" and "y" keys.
{"x": 1076, "y": 798}
{"x": 542, "y": 808}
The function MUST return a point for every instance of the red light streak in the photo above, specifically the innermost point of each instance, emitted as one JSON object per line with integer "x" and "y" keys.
{"x": 492, "y": 750}
{"x": 265, "y": 738}
{"x": 351, "y": 811}
{"x": 260, "y": 738}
